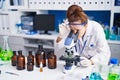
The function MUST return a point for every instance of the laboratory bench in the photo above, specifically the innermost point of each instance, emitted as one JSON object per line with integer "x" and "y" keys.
{"x": 47, "y": 74}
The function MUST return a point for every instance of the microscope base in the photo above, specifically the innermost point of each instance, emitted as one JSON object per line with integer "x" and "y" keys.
{"x": 72, "y": 68}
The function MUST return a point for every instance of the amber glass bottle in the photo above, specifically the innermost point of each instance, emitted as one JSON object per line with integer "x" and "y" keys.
{"x": 30, "y": 64}
{"x": 20, "y": 61}
{"x": 30, "y": 56}
{"x": 40, "y": 56}
{"x": 52, "y": 64}
{"x": 14, "y": 59}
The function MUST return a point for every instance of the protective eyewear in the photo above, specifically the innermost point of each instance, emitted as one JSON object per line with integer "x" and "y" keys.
{"x": 79, "y": 25}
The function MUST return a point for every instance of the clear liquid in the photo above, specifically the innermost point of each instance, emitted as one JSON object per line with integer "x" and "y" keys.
{"x": 6, "y": 55}
{"x": 113, "y": 76}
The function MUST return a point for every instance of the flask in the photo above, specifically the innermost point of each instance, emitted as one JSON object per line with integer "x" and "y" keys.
{"x": 6, "y": 52}
{"x": 95, "y": 75}
{"x": 29, "y": 64}
{"x": 38, "y": 56}
{"x": 31, "y": 57}
{"x": 20, "y": 61}
{"x": 52, "y": 60}
{"x": 14, "y": 59}
{"x": 114, "y": 69}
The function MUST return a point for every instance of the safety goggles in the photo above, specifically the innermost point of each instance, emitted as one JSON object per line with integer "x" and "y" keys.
{"x": 77, "y": 25}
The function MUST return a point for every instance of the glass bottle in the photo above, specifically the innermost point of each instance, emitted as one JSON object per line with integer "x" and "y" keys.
{"x": 114, "y": 70}
{"x": 30, "y": 56}
{"x": 113, "y": 33}
{"x": 106, "y": 30}
{"x": 52, "y": 60}
{"x": 29, "y": 64}
{"x": 14, "y": 59}
{"x": 6, "y": 52}
{"x": 39, "y": 56}
{"x": 20, "y": 61}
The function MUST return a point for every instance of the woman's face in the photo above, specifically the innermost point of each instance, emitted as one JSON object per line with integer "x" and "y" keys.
{"x": 77, "y": 26}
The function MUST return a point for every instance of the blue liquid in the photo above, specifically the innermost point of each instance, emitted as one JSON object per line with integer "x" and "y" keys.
{"x": 112, "y": 37}
{"x": 95, "y": 76}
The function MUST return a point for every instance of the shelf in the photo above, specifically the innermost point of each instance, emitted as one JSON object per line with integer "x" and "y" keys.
{"x": 36, "y": 46}
{"x": 113, "y": 41}
{"x": 116, "y": 9}
{"x": 36, "y": 36}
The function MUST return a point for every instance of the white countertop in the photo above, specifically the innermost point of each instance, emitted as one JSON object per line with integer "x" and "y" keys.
{"x": 47, "y": 74}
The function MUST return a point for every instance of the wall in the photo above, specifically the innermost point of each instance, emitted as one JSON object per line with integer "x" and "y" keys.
{"x": 100, "y": 16}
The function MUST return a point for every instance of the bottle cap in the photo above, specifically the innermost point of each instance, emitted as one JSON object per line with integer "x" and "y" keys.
{"x": 14, "y": 52}
{"x": 114, "y": 61}
{"x": 20, "y": 51}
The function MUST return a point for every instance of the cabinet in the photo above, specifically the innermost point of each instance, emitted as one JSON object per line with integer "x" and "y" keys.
{"x": 45, "y": 5}
{"x": 64, "y": 4}
{"x": 32, "y": 42}
{"x": 18, "y": 4}
{"x": 114, "y": 9}
{"x": 94, "y": 5}
{"x": 8, "y": 20}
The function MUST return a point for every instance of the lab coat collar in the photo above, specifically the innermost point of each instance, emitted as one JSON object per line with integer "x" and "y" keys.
{"x": 88, "y": 31}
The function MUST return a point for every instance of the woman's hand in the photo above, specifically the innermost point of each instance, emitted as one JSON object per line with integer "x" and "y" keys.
{"x": 80, "y": 29}
{"x": 85, "y": 62}
{"x": 58, "y": 39}
{"x": 81, "y": 32}
{"x": 63, "y": 30}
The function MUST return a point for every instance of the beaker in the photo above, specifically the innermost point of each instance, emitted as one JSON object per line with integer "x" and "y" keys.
{"x": 6, "y": 52}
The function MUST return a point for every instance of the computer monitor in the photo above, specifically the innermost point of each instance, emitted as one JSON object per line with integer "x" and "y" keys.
{"x": 44, "y": 22}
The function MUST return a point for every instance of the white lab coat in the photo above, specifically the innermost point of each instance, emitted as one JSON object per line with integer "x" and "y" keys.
{"x": 96, "y": 47}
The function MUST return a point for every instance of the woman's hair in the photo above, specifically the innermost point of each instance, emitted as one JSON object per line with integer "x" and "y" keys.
{"x": 75, "y": 13}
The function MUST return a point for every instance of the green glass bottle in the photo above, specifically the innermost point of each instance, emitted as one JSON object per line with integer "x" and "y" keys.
{"x": 114, "y": 70}
{"x": 106, "y": 30}
{"x": 6, "y": 52}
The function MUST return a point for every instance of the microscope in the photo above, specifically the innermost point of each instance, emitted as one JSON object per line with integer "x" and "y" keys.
{"x": 71, "y": 57}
